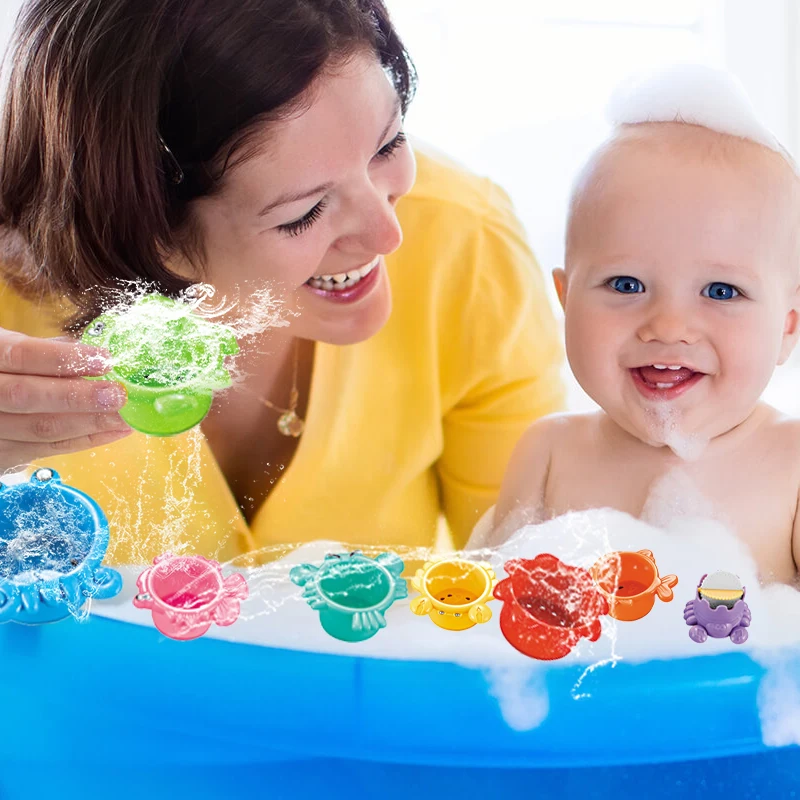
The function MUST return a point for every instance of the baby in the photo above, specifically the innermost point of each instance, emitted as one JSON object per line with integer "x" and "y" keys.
{"x": 680, "y": 294}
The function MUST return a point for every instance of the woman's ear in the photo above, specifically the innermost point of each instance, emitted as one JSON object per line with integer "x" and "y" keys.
{"x": 791, "y": 328}
{"x": 560, "y": 280}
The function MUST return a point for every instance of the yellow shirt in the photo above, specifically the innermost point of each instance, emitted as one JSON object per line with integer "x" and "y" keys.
{"x": 419, "y": 419}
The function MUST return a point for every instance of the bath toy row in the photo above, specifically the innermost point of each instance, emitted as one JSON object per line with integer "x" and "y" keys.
{"x": 548, "y": 605}
{"x": 53, "y": 539}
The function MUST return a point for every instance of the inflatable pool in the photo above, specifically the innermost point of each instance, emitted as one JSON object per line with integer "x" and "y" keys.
{"x": 113, "y": 709}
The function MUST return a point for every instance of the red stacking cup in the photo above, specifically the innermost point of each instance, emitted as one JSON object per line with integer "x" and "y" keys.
{"x": 548, "y": 606}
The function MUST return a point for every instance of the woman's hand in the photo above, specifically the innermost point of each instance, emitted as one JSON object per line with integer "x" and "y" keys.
{"x": 46, "y": 406}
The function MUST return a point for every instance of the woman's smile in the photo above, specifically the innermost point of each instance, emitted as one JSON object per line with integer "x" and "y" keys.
{"x": 347, "y": 287}
{"x": 342, "y": 280}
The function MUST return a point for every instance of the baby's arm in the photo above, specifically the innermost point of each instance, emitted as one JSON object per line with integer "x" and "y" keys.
{"x": 796, "y": 540}
{"x": 522, "y": 494}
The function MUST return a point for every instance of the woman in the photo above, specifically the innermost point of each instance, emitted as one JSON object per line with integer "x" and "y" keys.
{"x": 243, "y": 144}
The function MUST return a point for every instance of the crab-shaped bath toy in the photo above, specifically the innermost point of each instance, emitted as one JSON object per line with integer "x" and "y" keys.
{"x": 169, "y": 360}
{"x": 454, "y": 593}
{"x": 188, "y": 593}
{"x": 53, "y": 539}
{"x": 718, "y": 610}
{"x": 352, "y": 592}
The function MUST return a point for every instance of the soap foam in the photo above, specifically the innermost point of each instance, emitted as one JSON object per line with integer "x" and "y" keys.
{"x": 693, "y": 93}
{"x": 664, "y": 427}
{"x": 275, "y": 614}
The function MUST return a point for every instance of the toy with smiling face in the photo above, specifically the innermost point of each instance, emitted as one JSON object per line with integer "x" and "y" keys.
{"x": 454, "y": 593}
{"x": 718, "y": 610}
{"x": 352, "y": 592}
{"x": 169, "y": 360}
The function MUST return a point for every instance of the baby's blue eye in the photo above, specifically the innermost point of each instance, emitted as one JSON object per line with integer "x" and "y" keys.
{"x": 626, "y": 285}
{"x": 720, "y": 291}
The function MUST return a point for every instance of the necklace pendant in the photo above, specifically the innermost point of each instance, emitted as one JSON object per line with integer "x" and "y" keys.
{"x": 289, "y": 424}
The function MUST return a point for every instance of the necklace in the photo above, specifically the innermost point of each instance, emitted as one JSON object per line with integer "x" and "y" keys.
{"x": 289, "y": 424}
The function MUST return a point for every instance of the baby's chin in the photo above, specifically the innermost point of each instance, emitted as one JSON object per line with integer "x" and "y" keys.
{"x": 660, "y": 428}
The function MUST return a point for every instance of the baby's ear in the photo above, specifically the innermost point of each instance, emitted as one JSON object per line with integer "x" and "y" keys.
{"x": 560, "y": 280}
{"x": 791, "y": 328}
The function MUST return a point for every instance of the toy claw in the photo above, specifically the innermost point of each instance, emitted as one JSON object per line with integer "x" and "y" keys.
{"x": 227, "y": 612}
{"x": 421, "y": 606}
{"x": 454, "y": 592}
{"x": 664, "y": 588}
{"x": 480, "y": 613}
{"x": 718, "y": 609}
{"x": 594, "y": 630}
{"x": 393, "y": 563}
{"x": 53, "y": 539}
{"x": 548, "y": 606}
{"x": 169, "y": 360}
{"x": 630, "y": 583}
{"x": 352, "y": 592}
{"x": 302, "y": 574}
{"x": 187, "y": 594}
{"x": 107, "y": 583}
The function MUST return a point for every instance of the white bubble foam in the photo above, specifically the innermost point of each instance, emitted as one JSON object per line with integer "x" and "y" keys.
{"x": 688, "y": 547}
{"x": 695, "y": 94}
{"x": 664, "y": 426}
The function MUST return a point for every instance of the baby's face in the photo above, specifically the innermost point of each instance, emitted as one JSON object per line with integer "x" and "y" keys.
{"x": 680, "y": 287}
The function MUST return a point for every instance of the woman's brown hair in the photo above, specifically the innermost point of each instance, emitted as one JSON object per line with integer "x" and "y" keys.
{"x": 119, "y": 113}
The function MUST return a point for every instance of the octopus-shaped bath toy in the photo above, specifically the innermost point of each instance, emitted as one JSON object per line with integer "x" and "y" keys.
{"x": 718, "y": 610}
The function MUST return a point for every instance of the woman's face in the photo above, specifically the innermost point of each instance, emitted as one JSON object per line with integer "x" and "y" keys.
{"x": 315, "y": 209}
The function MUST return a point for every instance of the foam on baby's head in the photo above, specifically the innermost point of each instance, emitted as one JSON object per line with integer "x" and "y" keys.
{"x": 694, "y": 95}
{"x": 688, "y": 109}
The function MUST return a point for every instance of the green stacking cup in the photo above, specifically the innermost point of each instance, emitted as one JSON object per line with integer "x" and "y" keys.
{"x": 169, "y": 360}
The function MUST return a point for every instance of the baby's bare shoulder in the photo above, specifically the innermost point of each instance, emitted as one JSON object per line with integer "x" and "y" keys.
{"x": 562, "y": 428}
{"x": 782, "y": 432}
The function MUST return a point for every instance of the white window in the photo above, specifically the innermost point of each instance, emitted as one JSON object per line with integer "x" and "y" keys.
{"x": 516, "y": 90}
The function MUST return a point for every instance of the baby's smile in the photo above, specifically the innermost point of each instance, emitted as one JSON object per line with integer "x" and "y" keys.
{"x": 665, "y": 381}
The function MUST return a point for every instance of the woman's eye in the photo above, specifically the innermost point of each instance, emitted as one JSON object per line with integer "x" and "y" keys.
{"x": 305, "y": 222}
{"x": 721, "y": 291}
{"x": 389, "y": 149}
{"x": 624, "y": 284}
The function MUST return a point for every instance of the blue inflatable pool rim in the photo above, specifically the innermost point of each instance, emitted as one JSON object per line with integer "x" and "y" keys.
{"x": 214, "y": 701}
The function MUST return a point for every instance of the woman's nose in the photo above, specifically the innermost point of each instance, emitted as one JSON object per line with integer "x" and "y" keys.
{"x": 668, "y": 324}
{"x": 380, "y": 230}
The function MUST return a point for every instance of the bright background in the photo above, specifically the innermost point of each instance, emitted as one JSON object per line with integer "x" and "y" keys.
{"x": 516, "y": 90}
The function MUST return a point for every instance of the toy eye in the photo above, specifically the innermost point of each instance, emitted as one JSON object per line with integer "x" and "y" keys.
{"x": 96, "y": 329}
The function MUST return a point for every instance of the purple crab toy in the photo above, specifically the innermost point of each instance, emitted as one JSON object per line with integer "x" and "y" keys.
{"x": 718, "y": 610}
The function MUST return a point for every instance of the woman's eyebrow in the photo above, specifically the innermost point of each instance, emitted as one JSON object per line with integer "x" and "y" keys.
{"x": 294, "y": 197}
{"x": 395, "y": 114}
